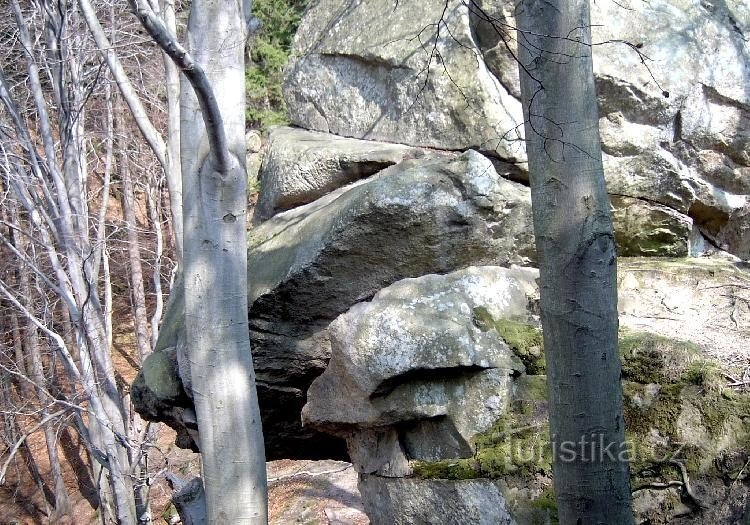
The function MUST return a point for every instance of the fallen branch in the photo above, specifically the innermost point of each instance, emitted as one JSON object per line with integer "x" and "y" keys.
{"x": 684, "y": 485}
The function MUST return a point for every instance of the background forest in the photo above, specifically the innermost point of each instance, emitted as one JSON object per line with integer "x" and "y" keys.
{"x": 113, "y": 252}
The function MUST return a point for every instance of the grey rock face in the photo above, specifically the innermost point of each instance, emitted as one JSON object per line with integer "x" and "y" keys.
{"x": 302, "y": 166}
{"x": 368, "y": 70}
{"x": 390, "y": 501}
{"x": 646, "y": 229}
{"x": 414, "y": 355}
{"x": 699, "y": 300}
{"x": 412, "y": 376}
{"x": 372, "y": 70}
{"x": 308, "y": 265}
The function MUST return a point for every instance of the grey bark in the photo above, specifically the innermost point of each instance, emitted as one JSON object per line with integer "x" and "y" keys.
{"x": 577, "y": 256}
{"x": 66, "y": 241}
{"x": 174, "y": 175}
{"x": 162, "y": 150}
{"x": 215, "y": 259}
{"x": 140, "y": 316}
{"x": 33, "y": 354}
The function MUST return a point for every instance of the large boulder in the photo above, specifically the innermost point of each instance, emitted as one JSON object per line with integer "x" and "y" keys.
{"x": 414, "y": 375}
{"x": 310, "y": 264}
{"x": 438, "y": 386}
{"x": 302, "y": 166}
{"x": 703, "y": 300}
{"x": 670, "y": 74}
{"x": 412, "y": 368}
{"x": 644, "y": 228}
{"x": 399, "y": 501}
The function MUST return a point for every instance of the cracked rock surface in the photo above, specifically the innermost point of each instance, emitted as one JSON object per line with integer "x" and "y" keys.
{"x": 671, "y": 77}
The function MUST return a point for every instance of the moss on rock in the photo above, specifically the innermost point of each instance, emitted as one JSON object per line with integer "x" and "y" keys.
{"x": 456, "y": 469}
{"x": 676, "y": 408}
{"x": 523, "y": 339}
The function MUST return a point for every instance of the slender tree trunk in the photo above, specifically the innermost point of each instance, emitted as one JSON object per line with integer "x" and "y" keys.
{"x": 577, "y": 261}
{"x": 174, "y": 173}
{"x": 33, "y": 354}
{"x": 152, "y": 196}
{"x": 140, "y": 316}
{"x": 215, "y": 258}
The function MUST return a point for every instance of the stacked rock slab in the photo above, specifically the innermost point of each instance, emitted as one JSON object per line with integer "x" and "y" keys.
{"x": 674, "y": 106}
{"x": 418, "y": 373}
{"x": 310, "y": 264}
{"x": 302, "y": 166}
{"x": 412, "y": 377}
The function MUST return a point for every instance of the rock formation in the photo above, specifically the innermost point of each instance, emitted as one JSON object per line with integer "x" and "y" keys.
{"x": 674, "y": 125}
{"x": 386, "y": 288}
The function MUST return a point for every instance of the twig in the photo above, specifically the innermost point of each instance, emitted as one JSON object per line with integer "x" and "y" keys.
{"x": 17, "y": 445}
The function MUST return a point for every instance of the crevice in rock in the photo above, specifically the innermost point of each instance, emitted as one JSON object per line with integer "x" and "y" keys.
{"x": 708, "y": 219}
{"x": 426, "y": 375}
{"x": 677, "y": 127}
{"x": 370, "y": 60}
{"x": 647, "y": 200}
{"x": 712, "y": 95}
{"x": 634, "y": 104}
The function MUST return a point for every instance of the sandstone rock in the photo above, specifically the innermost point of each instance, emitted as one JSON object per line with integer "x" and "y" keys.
{"x": 643, "y": 228}
{"x": 735, "y": 236}
{"x": 382, "y": 72}
{"x": 302, "y": 166}
{"x": 700, "y": 300}
{"x": 390, "y": 501}
{"x": 308, "y": 265}
{"x": 689, "y": 150}
{"x": 415, "y": 355}
{"x": 253, "y": 141}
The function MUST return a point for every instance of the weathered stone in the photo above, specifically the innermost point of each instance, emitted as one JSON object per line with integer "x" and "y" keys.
{"x": 253, "y": 141}
{"x": 415, "y": 355}
{"x": 400, "y": 501}
{"x": 674, "y": 131}
{"x": 302, "y": 166}
{"x": 700, "y": 300}
{"x": 382, "y": 72}
{"x": 310, "y": 264}
{"x": 158, "y": 394}
{"x": 735, "y": 236}
{"x": 643, "y": 228}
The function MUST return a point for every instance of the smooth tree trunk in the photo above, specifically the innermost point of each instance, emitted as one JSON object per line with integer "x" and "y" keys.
{"x": 215, "y": 259}
{"x": 577, "y": 262}
{"x": 140, "y": 315}
{"x": 215, "y": 255}
{"x": 33, "y": 355}
{"x": 152, "y": 199}
{"x": 174, "y": 173}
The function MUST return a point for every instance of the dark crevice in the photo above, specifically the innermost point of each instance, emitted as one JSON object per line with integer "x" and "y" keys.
{"x": 677, "y": 127}
{"x": 426, "y": 375}
{"x": 714, "y": 96}
{"x": 708, "y": 219}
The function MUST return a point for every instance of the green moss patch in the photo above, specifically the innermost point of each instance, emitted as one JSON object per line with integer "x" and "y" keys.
{"x": 650, "y": 358}
{"x": 675, "y": 406}
{"x": 525, "y": 340}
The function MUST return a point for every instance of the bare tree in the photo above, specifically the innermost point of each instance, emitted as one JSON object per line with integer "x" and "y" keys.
{"x": 215, "y": 259}
{"x": 577, "y": 262}
{"x": 52, "y": 86}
